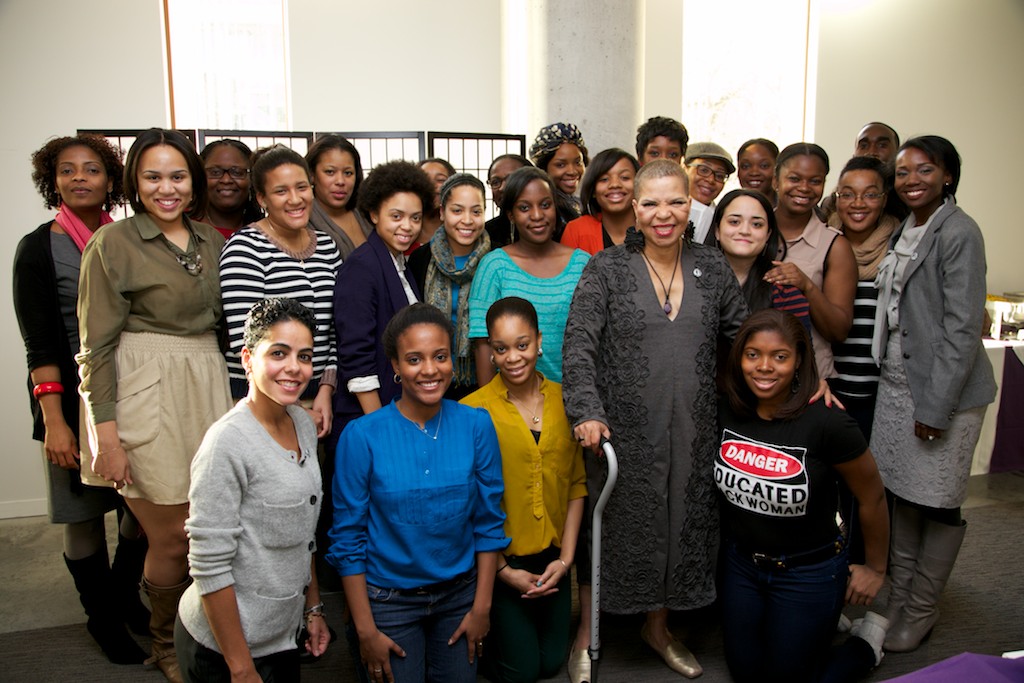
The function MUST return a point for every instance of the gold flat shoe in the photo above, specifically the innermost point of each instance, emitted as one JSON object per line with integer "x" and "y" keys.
{"x": 579, "y": 666}
{"x": 676, "y": 656}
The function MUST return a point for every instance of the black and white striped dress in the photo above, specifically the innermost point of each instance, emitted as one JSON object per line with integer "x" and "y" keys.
{"x": 252, "y": 268}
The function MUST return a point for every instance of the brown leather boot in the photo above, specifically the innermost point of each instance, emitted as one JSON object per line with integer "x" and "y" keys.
{"x": 164, "y": 601}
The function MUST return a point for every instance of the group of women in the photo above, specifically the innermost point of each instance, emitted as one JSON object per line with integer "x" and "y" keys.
{"x": 426, "y": 351}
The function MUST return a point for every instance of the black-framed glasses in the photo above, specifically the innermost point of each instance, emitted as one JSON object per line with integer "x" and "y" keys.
{"x": 236, "y": 172}
{"x": 708, "y": 172}
{"x": 495, "y": 183}
{"x": 867, "y": 197}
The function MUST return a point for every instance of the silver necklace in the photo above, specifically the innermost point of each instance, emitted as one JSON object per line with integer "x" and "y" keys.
{"x": 440, "y": 414}
{"x": 533, "y": 413}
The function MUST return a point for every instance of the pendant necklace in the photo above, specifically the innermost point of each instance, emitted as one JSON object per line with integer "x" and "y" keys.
{"x": 668, "y": 303}
{"x": 533, "y": 413}
{"x": 440, "y": 414}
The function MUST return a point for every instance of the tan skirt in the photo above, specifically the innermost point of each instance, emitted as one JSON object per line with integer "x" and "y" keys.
{"x": 170, "y": 389}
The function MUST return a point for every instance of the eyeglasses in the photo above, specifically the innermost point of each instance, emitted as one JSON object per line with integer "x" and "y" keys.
{"x": 708, "y": 172}
{"x": 867, "y": 197}
{"x": 216, "y": 172}
{"x": 495, "y": 183}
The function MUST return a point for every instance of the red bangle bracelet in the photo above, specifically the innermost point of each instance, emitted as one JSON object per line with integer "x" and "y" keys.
{"x": 47, "y": 388}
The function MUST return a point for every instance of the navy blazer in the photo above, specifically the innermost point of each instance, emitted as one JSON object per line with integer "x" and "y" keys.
{"x": 367, "y": 294}
{"x": 941, "y": 309}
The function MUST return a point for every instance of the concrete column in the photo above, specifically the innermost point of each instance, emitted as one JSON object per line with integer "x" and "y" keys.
{"x": 575, "y": 60}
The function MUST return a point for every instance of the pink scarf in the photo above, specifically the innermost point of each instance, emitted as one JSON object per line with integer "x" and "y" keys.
{"x": 73, "y": 225}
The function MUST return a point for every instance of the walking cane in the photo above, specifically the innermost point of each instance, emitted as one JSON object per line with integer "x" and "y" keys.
{"x": 595, "y": 603}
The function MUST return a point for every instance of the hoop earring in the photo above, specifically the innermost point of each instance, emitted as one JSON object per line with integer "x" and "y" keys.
{"x": 795, "y": 386}
{"x": 398, "y": 380}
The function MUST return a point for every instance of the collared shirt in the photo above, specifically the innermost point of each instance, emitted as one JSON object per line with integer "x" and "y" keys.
{"x": 413, "y": 506}
{"x": 540, "y": 478}
{"x": 700, "y": 216}
{"x": 132, "y": 281}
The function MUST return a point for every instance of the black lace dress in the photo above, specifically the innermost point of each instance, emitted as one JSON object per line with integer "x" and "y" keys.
{"x": 652, "y": 381}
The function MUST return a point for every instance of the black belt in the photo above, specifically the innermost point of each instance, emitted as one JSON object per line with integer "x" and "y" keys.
{"x": 766, "y": 562}
{"x": 439, "y": 587}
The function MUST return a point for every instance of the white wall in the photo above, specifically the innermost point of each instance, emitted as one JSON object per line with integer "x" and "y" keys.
{"x": 944, "y": 67}
{"x": 62, "y": 67}
{"x": 402, "y": 64}
{"x": 396, "y": 65}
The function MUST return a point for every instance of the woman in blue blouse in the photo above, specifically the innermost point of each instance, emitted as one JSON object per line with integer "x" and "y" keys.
{"x": 417, "y": 522}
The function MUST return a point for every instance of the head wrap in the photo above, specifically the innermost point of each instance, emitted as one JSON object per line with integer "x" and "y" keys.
{"x": 551, "y": 137}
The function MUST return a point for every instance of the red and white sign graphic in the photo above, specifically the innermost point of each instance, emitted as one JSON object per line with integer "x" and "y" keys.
{"x": 762, "y": 478}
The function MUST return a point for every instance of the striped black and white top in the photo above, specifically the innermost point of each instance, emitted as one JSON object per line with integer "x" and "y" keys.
{"x": 858, "y": 374}
{"x": 253, "y": 268}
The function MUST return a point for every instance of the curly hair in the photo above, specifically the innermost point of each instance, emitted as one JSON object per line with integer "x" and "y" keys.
{"x": 175, "y": 140}
{"x": 44, "y": 167}
{"x": 266, "y": 313}
{"x": 388, "y": 179}
{"x": 661, "y": 126}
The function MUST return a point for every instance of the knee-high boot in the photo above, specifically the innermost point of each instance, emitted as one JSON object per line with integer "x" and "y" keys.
{"x": 904, "y": 551}
{"x": 96, "y": 590}
{"x": 940, "y": 546}
{"x": 126, "y": 572}
{"x": 164, "y": 601}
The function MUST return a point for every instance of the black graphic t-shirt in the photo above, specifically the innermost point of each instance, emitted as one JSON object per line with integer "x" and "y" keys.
{"x": 776, "y": 478}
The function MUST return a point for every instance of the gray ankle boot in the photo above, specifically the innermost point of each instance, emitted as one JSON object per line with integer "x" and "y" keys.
{"x": 940, "y": 546}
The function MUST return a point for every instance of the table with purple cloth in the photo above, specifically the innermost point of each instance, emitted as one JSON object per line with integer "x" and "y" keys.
{"x": 967, "y": 668}
{"x": 1001, "y": 444}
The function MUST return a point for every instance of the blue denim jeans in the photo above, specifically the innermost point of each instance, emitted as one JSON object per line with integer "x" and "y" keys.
{"x": 779, "y": 624}
{"x": 421, "y": 623}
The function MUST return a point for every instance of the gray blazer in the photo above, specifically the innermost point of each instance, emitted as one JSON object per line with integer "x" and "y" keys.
{"x": 941, "y": 318}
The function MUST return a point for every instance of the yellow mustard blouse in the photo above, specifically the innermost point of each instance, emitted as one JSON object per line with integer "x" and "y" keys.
{"x": 540, "y": 478}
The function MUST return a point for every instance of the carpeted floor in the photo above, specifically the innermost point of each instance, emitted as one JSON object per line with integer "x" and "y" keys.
{"x": 982, "y": 612}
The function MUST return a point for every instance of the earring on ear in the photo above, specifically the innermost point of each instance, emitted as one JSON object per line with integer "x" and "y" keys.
{"x": 795, "y": 386}
{"x": 540, "y": 350}
{"x": 398, "y": 380}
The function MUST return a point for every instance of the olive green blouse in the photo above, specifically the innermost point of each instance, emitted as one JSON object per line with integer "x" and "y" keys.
{"x": 133, "y": 279}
